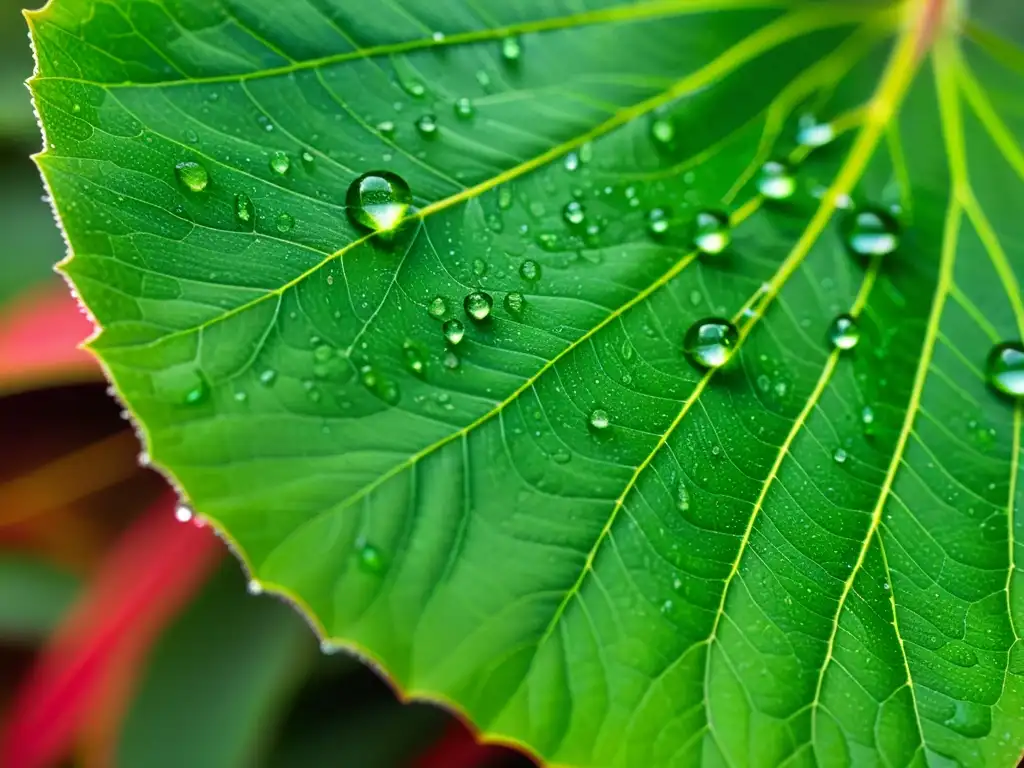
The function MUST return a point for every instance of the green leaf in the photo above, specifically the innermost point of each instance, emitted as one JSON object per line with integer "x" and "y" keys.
{"x": 559, "y": 525}
{"x": 34, "y": 596}
{"x": 216, "y": 678}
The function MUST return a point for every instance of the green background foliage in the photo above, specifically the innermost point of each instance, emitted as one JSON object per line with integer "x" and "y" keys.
{"x": 808, "y": 557}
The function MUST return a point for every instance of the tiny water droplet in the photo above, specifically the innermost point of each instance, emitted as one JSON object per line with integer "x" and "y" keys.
{"x": 776, "y": 181}
{"x": 285, "y": 222}
{"x": 244, "y": 209}
{"x": 711, "y": 232}
{"x": 657, "y": 221}
{"x": 192, "y": 175}
{"x": 870, "y": 232}
{"x": 478, "y": 305}
{"x": 514, "y": 303}
{"x": 183, "y": 513}
{"x": 427, "y": 126}
{"x": 839, "y": 456}
{"x": 280, "y": 163}
{"x": 529, "y": 270}
{"x": 573, "y": 213}
{"x": 511, "y": 48}
{"x": 709, "y": 343}
{"x": 464, "y": 108}
{"x": 438, "y": 307}
{"x": 843, "y": 333}
{"x": 571, "y": 162}
{"x": 504, "y": 197}
{"x": 386, "y": 128}
{"x": 682, "y": 497}
{"x": 414, "y": 358}
{"x": 811, "y": 133}
{"x": 268, "y": 377}
{"x": 599, "y": 419}
{"x": 377, "y": 201}
{"x": 254, "y": 587}
{"x": 479, "y": 267}
{"x": 1005, "y": 368}
{"x": 454, "y": 331}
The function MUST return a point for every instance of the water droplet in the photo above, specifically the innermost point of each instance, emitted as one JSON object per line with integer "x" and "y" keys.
{"x": 571, "y": 162}
{"x": 254, "y": 587}
{"x": 244, "y": 209}
{"x": 529, "y": 270}
{"x": 454, "y": 331}
{"x": 843, "y": 333}
{"x": 870, "y": 232}
{"x": 1005, "y": 369}
{"x": 378, "y": 200}
{"x": 280, "y": 163}
{"x": 427, "y": 126}
{"x": 371, "y": 559}
{"x": 438, "y": 307}
{"x": 657, "y": 221}
{"x": 561, "y": 456}
{"x": 285, "y": 222}
{"x": 183, "y": 513}
{"x": 511, "y": 48}
{"x": 479, "y": 267}
{"x": 776, "y": 181}
{"x": 839, "y": 456}
{"x": 323, "y": 353}
{"x": 192, "y": 175}
{"x": 198, "y": 393}
{"x": 414, "y": 358}
{"x": 573, "y": 213}
{"x": 451, "y": 361}
{"x": 599, "y": 419}
{"x": 504, "y": 197}
{"x": 663, "y": 131}
{"x": 682, "y": 498}
{"x": 514, "y": 303}
{"x": 710, "y": 343}
{"x": 464, "y": 108}
{"x": 268, "y": 377}
{"x": 478, "y": 305}
{"x": 386, "y": 128}
{"x": 811, "y": 133}
{"x": 711, "y": 232}
{"x": 867, "y": 419}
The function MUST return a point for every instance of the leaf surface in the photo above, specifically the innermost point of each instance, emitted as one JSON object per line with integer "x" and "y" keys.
{"x": 558, "y": 524}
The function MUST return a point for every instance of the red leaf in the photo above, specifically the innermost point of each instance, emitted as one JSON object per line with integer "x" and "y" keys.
{"x": 146, "y": 578}
{"x": 40, "y": 334}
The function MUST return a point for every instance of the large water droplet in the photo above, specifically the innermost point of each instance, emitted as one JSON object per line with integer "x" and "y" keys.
{"x": 378, "y": 200}
{"x": 711, "y": 232}
{"x": 811, "y": 133}
{"x": 245, "y": 211}
{"x": 776, "y": 181}
{"x": 478, "y": 305}
{"x": 280, "y": 163}
{"x": 192, "y": 175}
{"x": 573, "y": 213}
{"x": 709, "y": 343}
{"x": 427, "y": 126}
{"x": 870, "y": 232}
{"x": 514, "y": 303}
{"x": 454, "y": 331}
{"x": 843, "y": 333}
{"x": 511, "y": 48}
{"x": 599, "y": 419}
{"x": 371, "y": 559}
{"x": 662, "y": 130}
{"x": 529, "y": 270}
{"x": 464, "y": 108}
{"x": 438, "y": 307}
{"x": 285, "y": 222}
{"x": 657, "y": 222}
{"x": 1005, "y": 369}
